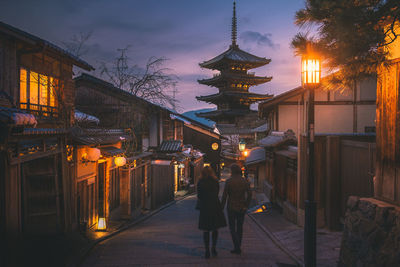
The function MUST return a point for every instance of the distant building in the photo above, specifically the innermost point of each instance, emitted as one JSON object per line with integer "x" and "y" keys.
{"x": 233, "y": 115}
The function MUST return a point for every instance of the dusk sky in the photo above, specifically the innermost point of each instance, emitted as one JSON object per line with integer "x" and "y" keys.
{"x": 186, "y": 32}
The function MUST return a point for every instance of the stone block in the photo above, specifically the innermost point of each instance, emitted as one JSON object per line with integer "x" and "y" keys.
{"x": 352, "y": 202}
{"x": 382, "y": 214}
{"x": 367, "y": 208}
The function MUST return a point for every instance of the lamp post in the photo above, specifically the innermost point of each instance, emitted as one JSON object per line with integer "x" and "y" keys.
{"x": 242, "y": 145}
{"x": 310, "y": 79}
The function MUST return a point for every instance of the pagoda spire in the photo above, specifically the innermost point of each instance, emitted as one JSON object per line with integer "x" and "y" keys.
{"x": 234, "y": 25}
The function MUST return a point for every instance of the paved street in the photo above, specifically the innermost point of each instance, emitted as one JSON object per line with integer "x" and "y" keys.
{"x": 171, "y": 238}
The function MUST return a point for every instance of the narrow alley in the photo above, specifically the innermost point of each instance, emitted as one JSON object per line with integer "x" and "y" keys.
{"x": 171, "y": 238}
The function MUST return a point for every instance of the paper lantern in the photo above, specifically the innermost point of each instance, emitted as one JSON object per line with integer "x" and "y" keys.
{"x": 120, "y": 161}
{"x": 101, "y": 224}
{"x": 93, "y": 154}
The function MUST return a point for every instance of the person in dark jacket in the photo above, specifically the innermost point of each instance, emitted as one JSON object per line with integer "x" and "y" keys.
{"x": 211, "y": 215}
{"x": 237, "y": 192}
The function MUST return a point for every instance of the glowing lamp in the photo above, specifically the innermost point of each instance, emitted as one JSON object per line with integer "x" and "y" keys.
{"x": 214, "y": 146}
{"x": 261, "y": 209}
{"x": 120, "y": 161}
{"x": 242, "y": 145}
{"x": 93, "y": 154}
{"x": 245, "y": 153}
{"x": 310, "y": 71}
{"x": 101, "y": 224}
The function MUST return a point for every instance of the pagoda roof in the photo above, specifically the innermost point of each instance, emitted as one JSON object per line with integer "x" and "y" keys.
{"x": 248, "y": 78}
{"x": 215, "y": 114}
{"x": 235, "y": 55}
{"x": 250, "y": 97}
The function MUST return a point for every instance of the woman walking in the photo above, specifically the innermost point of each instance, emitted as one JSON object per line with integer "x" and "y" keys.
{"x": 211, "y": 214}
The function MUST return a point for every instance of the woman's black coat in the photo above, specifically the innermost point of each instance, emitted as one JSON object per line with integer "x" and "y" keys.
{"x": 211, "y": 214}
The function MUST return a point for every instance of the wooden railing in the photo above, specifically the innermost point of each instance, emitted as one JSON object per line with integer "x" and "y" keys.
{"x": 40, "y": 110}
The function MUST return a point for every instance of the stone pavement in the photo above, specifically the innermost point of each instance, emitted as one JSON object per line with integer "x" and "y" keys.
{"x": 171, "y": 238}
{"x": 291, "y": 237}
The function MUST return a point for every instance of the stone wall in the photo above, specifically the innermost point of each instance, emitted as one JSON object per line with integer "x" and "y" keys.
{"x": 371, "y": 235}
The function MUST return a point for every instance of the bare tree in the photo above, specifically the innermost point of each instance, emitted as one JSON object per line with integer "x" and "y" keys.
{"x": 77, "y": 44}
{"x": 153, "y": 82}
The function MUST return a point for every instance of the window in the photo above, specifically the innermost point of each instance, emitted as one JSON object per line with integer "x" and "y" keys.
{"x": 37, "y": 92}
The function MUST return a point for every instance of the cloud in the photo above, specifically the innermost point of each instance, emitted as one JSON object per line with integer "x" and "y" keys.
{"x": 258, "y": 38}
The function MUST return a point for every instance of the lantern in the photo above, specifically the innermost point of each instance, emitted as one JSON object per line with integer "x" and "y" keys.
{"x": 120, "y": 161}
{"x": 101, "y": 224}
{"x": 93, "y": 154}
{"x": 214, "y": 146}
{"x": 242, "y": 145}
{"x": 245, "y": 153}
{"x": 310, "y": 71}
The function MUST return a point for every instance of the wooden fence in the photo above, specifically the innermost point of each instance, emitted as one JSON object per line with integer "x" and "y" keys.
{"x": 162, "y": 185}
{"x": 135, "y": 189}
{"x": 344, "y": 166}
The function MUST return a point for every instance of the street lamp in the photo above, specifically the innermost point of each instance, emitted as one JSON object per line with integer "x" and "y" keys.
{"x": 242, "y": 145}
{"x": 310, "y": 79}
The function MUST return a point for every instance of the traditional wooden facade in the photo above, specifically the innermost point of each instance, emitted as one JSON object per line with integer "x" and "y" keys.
{"x": 347, "y": 114}
{"x": 233, "y": 82}
{"x": 36, "y": 78}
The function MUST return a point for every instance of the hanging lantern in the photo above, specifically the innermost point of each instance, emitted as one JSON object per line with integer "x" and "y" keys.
{"x": 214, "y": 146}
{"x": 120, "y": 161}
{"x": 93, "y": 154}
{"x": 101, "y": 224}
{"x": 310, "y": 70}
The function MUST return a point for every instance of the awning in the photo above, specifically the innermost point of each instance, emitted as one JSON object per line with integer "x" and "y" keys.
{"x": 111, "y": 151}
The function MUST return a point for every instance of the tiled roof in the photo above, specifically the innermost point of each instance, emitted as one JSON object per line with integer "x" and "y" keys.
{"x": 111, "y": 151}
{"x": 20, "y": 34}
{"x": 234, "y": 94}
{"x": 16, "y": 116}
{"x": 235, "y": 54}
{"x": 170, "y": 146}
{"x": 41, "y": 131}
{"x": 256, "y": 155}
{"x": 228, "y": 112}
{"x": 98, "y": 136}
{"x": 224, "y": 77}
{"x": 277, "y": 138}
{"x": 83, "y": 117}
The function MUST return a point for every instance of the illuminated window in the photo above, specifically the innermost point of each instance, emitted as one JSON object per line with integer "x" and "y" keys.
{"x": 38, "y": 93}
{"x": 33, "y": 90}
{"x": 239, "y": 85}
{"x": 23, "y": 88}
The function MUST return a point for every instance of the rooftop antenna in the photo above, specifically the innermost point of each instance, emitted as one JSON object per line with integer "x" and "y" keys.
{"x": 234, "y": 26}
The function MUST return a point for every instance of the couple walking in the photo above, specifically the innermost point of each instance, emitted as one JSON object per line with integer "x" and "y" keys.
{"x": 238, "y": 195}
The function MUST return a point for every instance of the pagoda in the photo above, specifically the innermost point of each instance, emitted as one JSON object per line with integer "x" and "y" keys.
{"x": 233, "y": 81}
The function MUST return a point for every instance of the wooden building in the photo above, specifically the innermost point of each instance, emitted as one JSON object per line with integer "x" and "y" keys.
{"x": 92, "y": 155}
{"x": 233, "y": 99}
{"x": 347, "y": 115}
{"x": 117, "y": 108}
{"x": 36, "y": 190}
{"x": 351, "y": 110}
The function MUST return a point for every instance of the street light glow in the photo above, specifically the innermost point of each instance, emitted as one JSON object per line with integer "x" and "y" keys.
{"x": 310, "y": 71}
